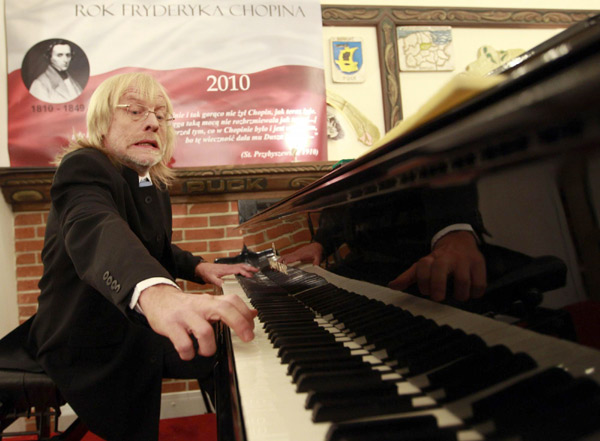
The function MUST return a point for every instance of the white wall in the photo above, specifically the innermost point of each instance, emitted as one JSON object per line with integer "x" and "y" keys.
{"x": 415, "y": 90}
{"x": 8, "y": 287}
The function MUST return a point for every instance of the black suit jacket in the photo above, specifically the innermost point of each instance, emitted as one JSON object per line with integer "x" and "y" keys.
{"x": 104, "y": 235}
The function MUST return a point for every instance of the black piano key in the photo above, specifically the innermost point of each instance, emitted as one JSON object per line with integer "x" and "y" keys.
{"x": 331, "y": 299}
{"x": 372, "y": 315}
{"x": 426, "y": 361}
{"x": 497, "y": 354}
{"x": 289, "y": 331}
{"x": 384, "y": 388}
{"x": 323, "y": 294}
{"x": 548, "y": 406}
{"x": 311, "y": 328}
{"x": 351, "y": 382}
{"x": 518, "y": 394}
{"x": 298, "y": 351}
{"x": 380, "y": 325}
{"x": 375, "y": 406}
{"x": 345, "y": 307}
{"x": 416, "y": 338}
{"x": 304, "y": 340}
{"x": 278, "y": 315}
{"x": 581, "y": 419}
{"x": 344, "y": 379}
{"x": 386, "y": 338}
{"x": 283, "y": 323}
{"x": 332, "y": 352}
{"x": 314, "y": 296}
{"x": 295, "y": 369}
{"x": 420, "y": 428}
{"x": 428, "y": 340}
{"x": 363, "y": 309}
{"x": 479, "y": 377}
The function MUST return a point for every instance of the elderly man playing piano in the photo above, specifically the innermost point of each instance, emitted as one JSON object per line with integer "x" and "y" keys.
{"x": 111, "y": 321}
{"x": 424, "y": 238}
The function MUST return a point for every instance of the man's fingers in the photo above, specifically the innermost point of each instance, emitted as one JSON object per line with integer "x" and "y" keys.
{"x": 405, "y": 279}
{"x": 182, "y": 342}
{"x": 247, "y": 270}
{"x": 462, "y": 281}
{"x": 478, "y": 279}
{"x": 204, "y": 334}
{"x": 214, "y": 280}
{"x": 230, "y": 314}
{"x": 424, "y": 274}
{"x": 438, "y": 278}
{"x": 236, "y": 302}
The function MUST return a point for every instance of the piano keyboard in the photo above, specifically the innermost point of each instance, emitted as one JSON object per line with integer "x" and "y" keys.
{"x": 330, "y": 361}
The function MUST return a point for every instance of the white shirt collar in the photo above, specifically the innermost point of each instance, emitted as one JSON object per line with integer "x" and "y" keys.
{"x": 145, "y": 180}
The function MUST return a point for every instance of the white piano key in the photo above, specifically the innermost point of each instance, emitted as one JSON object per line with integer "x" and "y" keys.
{"x": 273, "y": 410}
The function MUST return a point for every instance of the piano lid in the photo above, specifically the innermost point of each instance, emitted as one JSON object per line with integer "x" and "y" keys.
{"x": 547, "y": 106}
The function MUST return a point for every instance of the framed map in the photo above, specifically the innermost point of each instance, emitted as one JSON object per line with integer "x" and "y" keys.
{"x": 425, "y": 48}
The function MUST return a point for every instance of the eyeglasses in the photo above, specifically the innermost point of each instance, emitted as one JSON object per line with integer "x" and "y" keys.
{"x": 137, "y": 112}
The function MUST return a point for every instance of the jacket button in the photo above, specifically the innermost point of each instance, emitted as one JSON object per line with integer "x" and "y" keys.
{"x": 148, "y": 199}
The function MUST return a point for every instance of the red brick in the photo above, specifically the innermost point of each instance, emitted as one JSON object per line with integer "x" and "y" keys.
{"x": 22, "y": 219}
{"x": 222, "y": 220}
{"x": 27, "y": 299}
{"x": 226, "y": 245}
{"x": 210, "y": 208}
{"x": 293, "y": 247}
{"x": 28, "y": 245}
{"x": 194, "y": 247}
{"x": 30, "y": 271}
{"x": 301, "y": 236}
{"x": 234, "y": 232}
{"x": 282, "y": 243}
{"x": 179, "y": 209}
{"x": 40, "y": 231}
{"x": 177, "y": 236}
{"x": 190, "y": 222}
{"x": 253, "y": 239}
{"x": 24, "y": 233}
{"x": 279, "y": 231}
{"x": 27, "y": 310}
{"x": 204, "y": 234}
{"x": 26, "y": 258}
{"x": 27, "y": 285}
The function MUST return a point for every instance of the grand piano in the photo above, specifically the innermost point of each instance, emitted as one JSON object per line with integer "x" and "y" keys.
{"x": 336, "y": 358}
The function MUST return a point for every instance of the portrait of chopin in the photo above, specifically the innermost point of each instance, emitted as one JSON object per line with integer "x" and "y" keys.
{"x": 55, "y": 71}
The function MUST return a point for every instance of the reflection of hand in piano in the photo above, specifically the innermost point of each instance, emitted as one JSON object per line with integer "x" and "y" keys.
{"x": 311, "y": 253}
{"x": 456, "y": 256}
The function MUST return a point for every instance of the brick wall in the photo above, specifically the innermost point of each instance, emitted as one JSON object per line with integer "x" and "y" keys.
{"x": 206, "y": 229}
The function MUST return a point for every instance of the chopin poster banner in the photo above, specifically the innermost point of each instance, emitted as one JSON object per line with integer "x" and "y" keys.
{"x": 246, "y": 77}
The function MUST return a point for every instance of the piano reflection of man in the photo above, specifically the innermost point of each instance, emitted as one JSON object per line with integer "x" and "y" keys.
{"x": 421, "y": 238}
